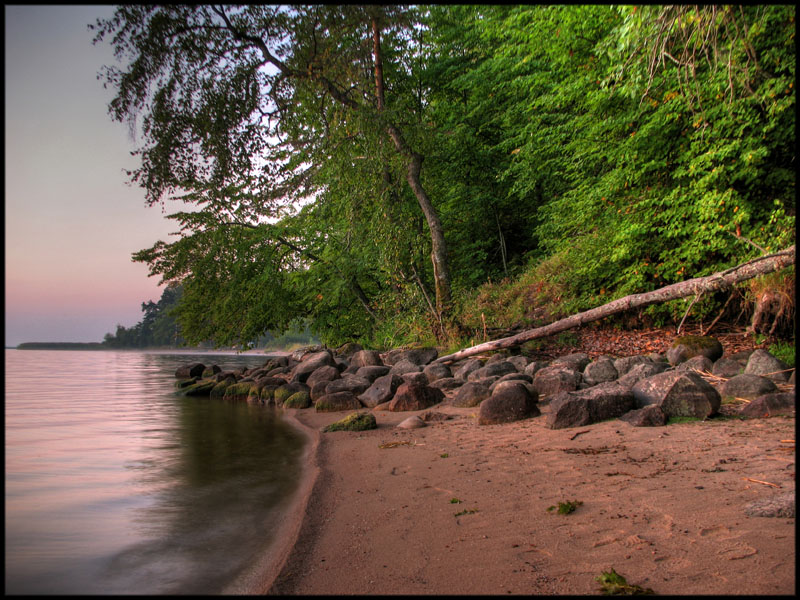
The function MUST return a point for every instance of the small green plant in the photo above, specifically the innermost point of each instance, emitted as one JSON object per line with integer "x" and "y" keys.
{"x": 783, "y": 351}
{"x": 565, "y": 508}
{"x": 614, "y": 584}
{"x": 445, "y": 455}
{"x": 455, "y": 501}
{"x": 467, "y": 511}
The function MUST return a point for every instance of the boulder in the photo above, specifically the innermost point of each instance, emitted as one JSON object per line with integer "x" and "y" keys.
{"x": 741, "y": 357}
{"x": 268, "y": 394}
{"x": 649, "y": 416}
{"x": 381, "y": 390}
{"x": 366, "y": 358}
{"x": 417, "y": 377}
{"x": 404, "y": 366}
{"x": 600, "y": 371}
{"x": 238, "y": 391}
{"x": 678, "y": 394}
{"x": 696, "y": 363}
{"x": 727, "y": 367}
{"x": 218, "y": 391}
{"x": 318, "y": 390}
{"x": 310, "y": 363}
{"x": 360, "y": 421}
{"x": 184, "y": 383}
{"x": 200, "y": 388}
{"x": 763, "y": 363}
{"x": 417, "y": 356}
{"x": 349, "y": 383}
{"x": 190, "y": 370}
{"x": 472, "y": 393}
{"x": 576, "y": 361}
{"x": 512, "y": 377}
{"x": 372, "y": 372}
{"x": 467, "y": 367}
{"x": 348, "y": 349}
{"x": 519, "y": 361}
{"x": 411, "y": 396}
{"x": 283, "y": 392}
{"x": 641, "y": 371}
{"x": 769, "y": 405}
{"x": 555, "y": 379}
{"x": 626, "y": 363}
{"x": 446, "y": 383}
{"x": 274, "y": 362}
{"x": 209, "y": 372}
{"x": 533, "y": 367}
{"x": 511, "y": 401}
{"x": 436, "y": 371}
{"x": 779, "y": 505}
{"x": 495, "y": 369}
{"x": 686, "y": 346}
{"x": 298, "y": 400}
{"x": 337, "y": 401}
{"x": 325, "y": 373}
{"x": 747, "y": 386}
{"x": 598, "y": 403}
{"x": 413, "y": 422}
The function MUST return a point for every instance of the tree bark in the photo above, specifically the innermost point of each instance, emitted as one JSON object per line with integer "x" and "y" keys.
{"x": 441, "y": 270}
{"x": 709, "y": 284}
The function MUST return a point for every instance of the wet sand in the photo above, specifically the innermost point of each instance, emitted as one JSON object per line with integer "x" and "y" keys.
{"x": 457, "y": 508}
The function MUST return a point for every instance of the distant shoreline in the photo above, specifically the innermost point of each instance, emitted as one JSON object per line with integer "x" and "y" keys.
{"x": 99, "y": 346}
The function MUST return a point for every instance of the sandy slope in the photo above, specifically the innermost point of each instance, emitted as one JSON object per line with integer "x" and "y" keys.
{"x": 663, "y": 506}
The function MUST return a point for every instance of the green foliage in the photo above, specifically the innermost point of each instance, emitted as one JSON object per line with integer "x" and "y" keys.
{"x": 574, "y": 154}
{"x": 614, "y": 584}
{"x": 158, "y": 327}
{"x": 784, "y": 351}
{"x": 565, "y": 508}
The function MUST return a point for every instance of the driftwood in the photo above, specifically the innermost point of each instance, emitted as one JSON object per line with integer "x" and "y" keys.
{"x": 699, "y": 285}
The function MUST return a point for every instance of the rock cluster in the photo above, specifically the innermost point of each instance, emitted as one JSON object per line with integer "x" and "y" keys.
{"x": 640, "y": 390}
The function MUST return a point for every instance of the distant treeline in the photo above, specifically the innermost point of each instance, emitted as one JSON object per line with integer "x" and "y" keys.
{"x": 61, "y": 346}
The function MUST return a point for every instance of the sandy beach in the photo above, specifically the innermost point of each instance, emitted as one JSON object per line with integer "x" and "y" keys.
{"x": 458, "y": 508}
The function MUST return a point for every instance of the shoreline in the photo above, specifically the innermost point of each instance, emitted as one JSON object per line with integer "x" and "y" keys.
{"x": 273, "y": 560}
{"x": 459, "y": 508}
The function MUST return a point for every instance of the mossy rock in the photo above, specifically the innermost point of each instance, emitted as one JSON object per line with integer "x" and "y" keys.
{"x": 298, "y": 400}
{"x": 238, "y": 391}
{"x": 209, "y": 372}
{"x": 218, "y": 391}
{"x": 201, "y": 388}
{"x": 268, "y": 393}
{"x": 184, "y": 383}
{"x": 282, "y": 392}
{"x": 688, "y": 346}
{"x": 354, "y": 422}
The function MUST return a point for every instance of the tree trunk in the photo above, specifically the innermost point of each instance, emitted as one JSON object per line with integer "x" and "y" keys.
{"x": 441, "y": 270}
{"x": 709, "y": 284}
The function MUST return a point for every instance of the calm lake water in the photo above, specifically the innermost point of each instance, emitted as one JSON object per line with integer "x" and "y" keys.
{"x": 115, "y": 485}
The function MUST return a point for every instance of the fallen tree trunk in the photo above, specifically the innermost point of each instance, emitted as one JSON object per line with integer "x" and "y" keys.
{"x": 699, "y": 285}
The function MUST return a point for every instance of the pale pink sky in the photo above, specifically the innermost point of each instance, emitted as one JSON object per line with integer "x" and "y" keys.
{"x": 71, "y": 220}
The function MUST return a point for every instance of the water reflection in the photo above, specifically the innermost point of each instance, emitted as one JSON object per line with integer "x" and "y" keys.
{"x": 145, "y": 492}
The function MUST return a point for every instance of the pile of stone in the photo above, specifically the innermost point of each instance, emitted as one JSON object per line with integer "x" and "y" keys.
{"x": 690, "y": 381}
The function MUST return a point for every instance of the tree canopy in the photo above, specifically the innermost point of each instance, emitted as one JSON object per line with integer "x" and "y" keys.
{"x": 368, "y": 168}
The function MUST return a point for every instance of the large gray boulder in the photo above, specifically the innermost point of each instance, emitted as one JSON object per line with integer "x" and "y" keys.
{"x": 436, "y": 371}
{"x": 372, "y": 372}
{"x": 412, "y": 396}
{"x": 641, "y": 371}
{"x": 472, "y": 393}
{"x": 468, "y": 366}
{"x": 626, "y": 363}
{"x": 310, "y": 363}
{"x": 534, "y": 366}
{"x": 349, "y": 383}
{"x": 519, "y": 361}
{"x": 763, "y": 363}
{"x": 747, "y": 386}
{"x": 555, "y": 379}
{"x": 686, "y": 346}
{"x": 727, "y": 367}
{"x": 769, "y": 405}
{"x": 597, "y": 403}
{"x": 337, "y": 401}
{"x": 495, "y": 369}
{"x": 649, "y": 416}
{"x": 404, "y": 366}
{"x": 576, "y": 361}
{"x": 696, "y": 363}
{"x": 446, "y": 383}
{"x": 381, "y": 390}
{"x": 366, "y": 358}
{"x": 417, "y": 356}
{"x": 510, "y": 401}
{"x": 600, "y": 371}
{"x": 678, "y": 394}
{"x": 325, "y": 373}
{"x": 190, "y": 370}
